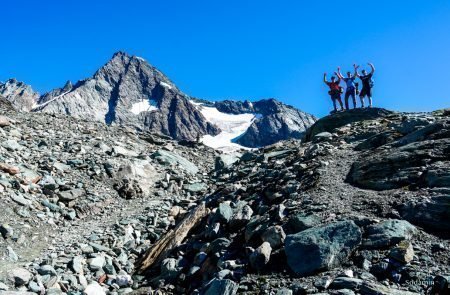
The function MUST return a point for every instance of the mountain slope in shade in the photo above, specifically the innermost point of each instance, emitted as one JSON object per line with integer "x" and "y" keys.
{"x": 117, "y": 91}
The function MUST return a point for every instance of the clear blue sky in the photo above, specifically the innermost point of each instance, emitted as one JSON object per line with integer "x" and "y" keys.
{"x": 239, "y": 49}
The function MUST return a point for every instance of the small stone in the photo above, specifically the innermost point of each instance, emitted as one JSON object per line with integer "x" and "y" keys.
{"x": 261, "y": 256}
{"x": 4, "y": 121}
{"x": 404, "y": 252}
{"x": 224, "y": 212}
{"x": 3, "y": 287}
{"x": 19, "y": 199}
{"x": 94, "y": 289}
{"x": 11, "y": 254}
{"x": 70, "y": 195}
{"x": 241, "y": 215}
{"x": 97, "y": 262}
{"x": 275, "y": 236}
{"x": 47, "y": 270}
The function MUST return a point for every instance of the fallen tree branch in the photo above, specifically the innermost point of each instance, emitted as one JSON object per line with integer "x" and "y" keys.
{"x": 171, "y": 239}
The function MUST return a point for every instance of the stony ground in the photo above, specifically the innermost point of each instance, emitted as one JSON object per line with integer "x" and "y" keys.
{"x": 360, "y": 207}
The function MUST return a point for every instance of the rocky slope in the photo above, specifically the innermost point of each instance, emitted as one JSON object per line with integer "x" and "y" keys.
{"x": 361, "y": 206}
{"x": 129, "y": 91}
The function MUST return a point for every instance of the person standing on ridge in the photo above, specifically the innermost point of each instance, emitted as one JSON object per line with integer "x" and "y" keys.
{"x": 351, "y": 87}
{"x": 367, "y": 85}
{"x": 335, "y": 90}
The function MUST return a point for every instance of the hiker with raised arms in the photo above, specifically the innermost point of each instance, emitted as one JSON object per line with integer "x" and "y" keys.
{"x": 367, "y": 85}
{"x": 335, "y": 90}
{"x": 351, "y": 86}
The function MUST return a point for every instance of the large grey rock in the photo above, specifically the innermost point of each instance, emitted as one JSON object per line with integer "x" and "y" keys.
{"x": 225, "y": 161}
{"x": 275, "y": 236}
{"x": 261, "y": 256}
{"x": 20, "y": 276}
{"x": 420, "y": 158}
{"x": 321, "y": 248}
{"x": 223, "y": 287}
{"x": 372, "y": 288}
{"x": 70, "y": 195}
{"x": 388, "y": 233}
{"x": 4, "y": 121}
{"x": 241, "y": 214}
{"x": 140, "y": 171}
{"x": 171, "y": 158}
{"x": 336, "y": 120}
{"x": 433, "y": 214}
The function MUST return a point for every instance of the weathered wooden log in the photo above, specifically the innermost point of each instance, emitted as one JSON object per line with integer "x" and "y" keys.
{"x": 171, "y": 239}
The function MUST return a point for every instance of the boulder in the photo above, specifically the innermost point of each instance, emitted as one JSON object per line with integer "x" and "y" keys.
{"x": 225, "y": 161}
{"x": 339, "y": 119}
{"x": 433, "y": 214}
{"x": 261, "y": 256}
{"x": 300, "y": 222}
{"x": 223, "y": 212}
{"x": 275, "y": 236}
{"x": 94, "y": 289}
{"x": 171, "y": 158}
{"x": 20, "y": 276}
{"x": 141, "y": 172}
{"x": 321, "y": 248}
{"x": 70, "y": 195}
{"x": 4, "y": 121}
{"x": 241, "y": 214}
{"x": 388, "y": 233}
{"x": 223, "y": 287}
{"x": 403, "y": 252}
{"x": 195, "y": 187}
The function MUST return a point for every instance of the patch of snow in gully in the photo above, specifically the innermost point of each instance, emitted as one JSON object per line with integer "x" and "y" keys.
{"x": 232, "y": 126}
{"x": 143, "y": 106}
{"x": 164, "y": 84}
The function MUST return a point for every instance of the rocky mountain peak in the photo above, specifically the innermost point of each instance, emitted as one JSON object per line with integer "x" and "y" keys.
{"x": 21, "y": 95}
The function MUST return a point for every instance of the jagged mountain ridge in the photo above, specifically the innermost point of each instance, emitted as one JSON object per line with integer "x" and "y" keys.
{"x": 129, "y": 91}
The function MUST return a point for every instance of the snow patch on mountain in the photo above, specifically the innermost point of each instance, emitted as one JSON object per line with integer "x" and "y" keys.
{"x": 164, "y": 84}
{"x": 146, "y": 105}
{"x": 232, "y": 126}
{"x": 37, "y": 105}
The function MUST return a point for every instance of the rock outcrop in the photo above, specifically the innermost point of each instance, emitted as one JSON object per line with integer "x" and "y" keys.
{"x": 21, "y": 96}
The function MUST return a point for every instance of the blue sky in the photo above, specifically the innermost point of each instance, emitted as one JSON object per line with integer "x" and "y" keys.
{"x": 239, "y": 49}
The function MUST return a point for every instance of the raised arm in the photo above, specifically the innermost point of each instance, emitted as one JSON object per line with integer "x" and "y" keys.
{"x": 338, "y": 73}
{"x": 356, "y": 70}
{"x": 338, "y": 78}
{"x": 372, "y": 67}
{"x": 325, "y": 78}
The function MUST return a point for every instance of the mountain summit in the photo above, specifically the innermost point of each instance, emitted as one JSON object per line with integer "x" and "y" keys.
{"x": 129, "y": 91}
